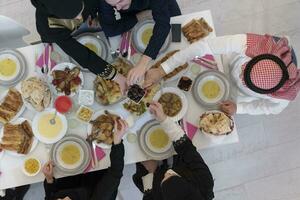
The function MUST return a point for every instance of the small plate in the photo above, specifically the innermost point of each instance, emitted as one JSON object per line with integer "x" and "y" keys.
{"x": 34, "y": 142}
{"x": 21, "y": 67}
{"x": 85, "y": 155}
{"x": 46, "y": 140}
{"x": 118, "y": 111}
{"x": 25, "y": 172}
{"x": 182, "y": 96}
{"x": 63, "y": 66}
{"x": 144, "y": 145}
{"x": 99, "y": 42}
{"x": 137, "y": 32}
{"x": 220, "y": 79}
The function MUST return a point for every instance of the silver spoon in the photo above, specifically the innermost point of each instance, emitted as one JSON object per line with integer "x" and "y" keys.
{"x": 52, "y": 121}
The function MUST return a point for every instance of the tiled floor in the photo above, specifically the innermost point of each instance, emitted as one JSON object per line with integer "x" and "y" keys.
{"x": 265, "y": 164}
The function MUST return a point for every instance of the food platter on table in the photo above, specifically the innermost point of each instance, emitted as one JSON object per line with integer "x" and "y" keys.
{"x": 210, "y": 88}
{"x": 154, "y": 141}
{"x": 13, "y": 67}
{"x": 102, "y": 123}
{"x": 95, "y": 43}
{"x": 34, "y": 141}
{"x": 12, "y": 99}
{"x": 71, "y": 155}
{"x": 64, "y": 77}
{"x": 142, "y": 33}
{"x": 215, "y": 124}
{"x": 174, "y": 102}
{"x": 45, "y": 131}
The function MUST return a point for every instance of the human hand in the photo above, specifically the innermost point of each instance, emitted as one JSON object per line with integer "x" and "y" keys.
{"x": 228, "y": 107}
{"x": 121, "y": 127}
{"x": 121, "y": 80}
{"x": 153, "y": 76}
{"x": 157, "y": 110}
{"x": 48, "y": 171}
{"x": 136, "y": 74}
{"x": 150, "y": 165}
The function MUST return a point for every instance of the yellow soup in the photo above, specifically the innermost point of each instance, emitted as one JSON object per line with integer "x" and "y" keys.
{"x": 70, "y": 154}
{"x": 211, "y": 89}
{"x": 47, "y": 129}
{"x": 158, "y": 138}
{"x": 8, "y": 67}
{"x": 32, "y": 166}
{"x": 92, "y": 47}
{"x": 146, "y": 35}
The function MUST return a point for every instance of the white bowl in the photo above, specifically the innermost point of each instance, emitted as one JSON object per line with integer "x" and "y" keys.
{"x": 24, "y": 170}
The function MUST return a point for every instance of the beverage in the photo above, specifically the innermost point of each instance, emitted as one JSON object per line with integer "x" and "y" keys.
{"x": 63, "y": 104}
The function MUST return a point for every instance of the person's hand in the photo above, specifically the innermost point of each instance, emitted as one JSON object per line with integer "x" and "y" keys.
{"x": 121, "y": 127}
{"x": 153, "y": 76}
{"x": 228, "y": 107}
{"x": 136, "y": 74}
{"x": 157, "y": 110}
{"x": 150, "y": 165}
{"x": 121, "y": 80}
{"x": 48, "y": 171}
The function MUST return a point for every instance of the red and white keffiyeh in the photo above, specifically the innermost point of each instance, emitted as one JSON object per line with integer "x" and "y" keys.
{"x": 266, "y": 74}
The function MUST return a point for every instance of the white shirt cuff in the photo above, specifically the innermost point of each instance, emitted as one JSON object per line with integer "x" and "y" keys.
{"x": 148, "y": 181}
{"x": 173, "y": 130}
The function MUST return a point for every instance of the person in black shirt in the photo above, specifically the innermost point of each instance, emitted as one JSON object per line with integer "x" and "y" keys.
{"x": 100, "y": 185}
{"x": 119, "y": 16}
{"x": 56, "y": 20}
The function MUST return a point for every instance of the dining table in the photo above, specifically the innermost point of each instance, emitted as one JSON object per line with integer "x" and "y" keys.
{"x": 11, "y": 166}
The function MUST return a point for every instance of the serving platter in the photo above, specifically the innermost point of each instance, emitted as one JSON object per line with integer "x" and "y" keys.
{"x": 79, "y": 166}
{"x": 21, "y": 67}
{"x": 34, "y": 142}
{"x": 137, "y": 32}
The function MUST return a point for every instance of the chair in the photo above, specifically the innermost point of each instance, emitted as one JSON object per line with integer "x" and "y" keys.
{"x": 11, "y": 33}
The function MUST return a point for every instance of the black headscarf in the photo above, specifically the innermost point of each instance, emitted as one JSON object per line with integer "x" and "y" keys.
{"x": 64, "y": 9}
{"x": 177, "y": 188}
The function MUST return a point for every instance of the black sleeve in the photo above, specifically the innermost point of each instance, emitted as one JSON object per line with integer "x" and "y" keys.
{"x": 161, "y": 11}
{"x": 109, "y": 183}
{"x": 50, "y": 189}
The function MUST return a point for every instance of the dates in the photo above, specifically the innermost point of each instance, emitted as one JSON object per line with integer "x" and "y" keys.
{"x": 136, "y": 93}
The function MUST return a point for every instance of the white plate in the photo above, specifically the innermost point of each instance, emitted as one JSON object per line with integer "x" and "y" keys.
{"x": 15, "y": 59}
{"x": 118, "y": 111}
{"x": 40, "y": 137}
{"x": 22, "y": 109}
{"x": 63, "y": 66}
{"x": 34, "y": 142}
{"x": 181, "y": 95}
{"x": 62, "y": 163}
{"x": 26, "y": 173}
{"x": 149, "y": 145}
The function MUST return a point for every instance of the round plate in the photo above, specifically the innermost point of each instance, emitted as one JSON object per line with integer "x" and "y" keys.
{"x": 21, "y": 67}
{"x": 85, "y": 156}
{"x": 144, "y": 145}
{"x": 118, "y": 111}
{"x": 41, "y": 137}
{"x": 137, "y": 32}
{"x": 217, "y": 136}
{"x": 181, "y": 95}
{"x": 221, "y": 80}
{"x": 34, "y": 142}
{"x": 99, "y": 42}
{"x": 63, "y": 66}
{"x": 150, "y": 146}
{"x": 22, "y": 109}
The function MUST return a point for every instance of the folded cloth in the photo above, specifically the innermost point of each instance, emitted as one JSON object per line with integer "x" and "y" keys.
{"x": 189, "y": 128}
{"x": 124, "y": 46}
{"x": 100, "y": 154}
{"x": 207, "y": 61}
{"x": 43, "y": 58}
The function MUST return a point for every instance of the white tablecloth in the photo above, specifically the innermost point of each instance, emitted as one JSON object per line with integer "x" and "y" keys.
{"x": 10, "y": 167}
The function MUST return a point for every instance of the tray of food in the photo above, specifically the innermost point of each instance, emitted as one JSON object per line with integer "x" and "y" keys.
{"x": 216, "y": 123}
{"x": 36, "y": 94}
{"x": 13, "y": 67}
{"x": 108, "y": 92}
{"x": 11, "y": 105}
{"x": 142, "y": 33}
{"x": 66, "y": 79}
{"x": 17, "y": 138}
{"x": 173, "y": 101}
{"x": 177, "y": 72}
{"x": 196, "y": 30}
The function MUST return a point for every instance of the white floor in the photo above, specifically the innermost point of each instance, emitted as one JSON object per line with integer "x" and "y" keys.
{"x": 265, "y": 165}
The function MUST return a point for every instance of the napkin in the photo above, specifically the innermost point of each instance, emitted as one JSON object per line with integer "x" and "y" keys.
{"x": 189, "y": 129}
{"x": 124, "y": 46}
{"x": 44, "y": 57}
{"x": 207, "y": 61}
{"x": 100, "y": 154}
